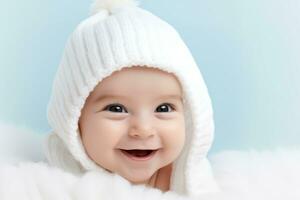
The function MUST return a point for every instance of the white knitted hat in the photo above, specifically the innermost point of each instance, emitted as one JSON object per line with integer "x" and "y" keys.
{"x": 119, "y": 34}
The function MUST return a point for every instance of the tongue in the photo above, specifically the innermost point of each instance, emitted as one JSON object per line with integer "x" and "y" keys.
{"x": 139, "y": 153}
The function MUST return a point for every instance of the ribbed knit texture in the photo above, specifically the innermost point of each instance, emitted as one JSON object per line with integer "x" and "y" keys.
{"x": 105, "y": 43}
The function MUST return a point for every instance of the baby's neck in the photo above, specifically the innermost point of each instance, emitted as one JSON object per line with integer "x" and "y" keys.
{"x": 161, "y": 179}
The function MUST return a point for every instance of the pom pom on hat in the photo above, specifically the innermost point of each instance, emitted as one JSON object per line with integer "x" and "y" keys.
{"x": 110, "y": 5}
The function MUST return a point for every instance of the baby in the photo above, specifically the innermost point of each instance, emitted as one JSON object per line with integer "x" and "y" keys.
{"x": 129, "y": 99}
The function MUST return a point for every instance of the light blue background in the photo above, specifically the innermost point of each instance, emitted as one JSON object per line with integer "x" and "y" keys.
{"x": 248, "y": 52}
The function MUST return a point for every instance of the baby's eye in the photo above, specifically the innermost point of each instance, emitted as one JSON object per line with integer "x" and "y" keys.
{"x": 165, "y": 108}
{"x": 115, "y": 108}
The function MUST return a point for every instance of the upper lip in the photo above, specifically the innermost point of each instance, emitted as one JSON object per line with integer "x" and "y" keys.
{"x": 139, "y": 148}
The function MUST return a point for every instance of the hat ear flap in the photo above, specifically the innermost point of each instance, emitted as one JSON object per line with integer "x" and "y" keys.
{"x": 59, "y": 156}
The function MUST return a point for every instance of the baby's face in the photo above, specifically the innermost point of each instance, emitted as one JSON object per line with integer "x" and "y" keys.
{"x": 137, "y": 108}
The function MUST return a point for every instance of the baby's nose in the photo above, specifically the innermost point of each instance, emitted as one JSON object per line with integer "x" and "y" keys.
{"x": 138, "y": 133}
{"x": 141, "y": 127}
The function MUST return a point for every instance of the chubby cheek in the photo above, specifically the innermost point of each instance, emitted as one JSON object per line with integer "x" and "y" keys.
{"x": 100, "y": 138}
{"x": 173, "y": 139}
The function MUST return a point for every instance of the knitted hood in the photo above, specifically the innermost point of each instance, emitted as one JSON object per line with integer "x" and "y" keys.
{"x": 119, "y": 34}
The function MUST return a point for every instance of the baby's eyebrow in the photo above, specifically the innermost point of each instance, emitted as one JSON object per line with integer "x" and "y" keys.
{"x": 172, "y": 96}
{"x": 102, "y": 97}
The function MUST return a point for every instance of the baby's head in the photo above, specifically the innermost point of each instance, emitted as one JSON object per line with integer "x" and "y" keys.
{"x": 128, "y": 82}
{"x": 137, "y": 108}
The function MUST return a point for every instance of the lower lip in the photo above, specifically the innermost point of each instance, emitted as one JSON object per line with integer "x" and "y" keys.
{"x": 145, "y": 158}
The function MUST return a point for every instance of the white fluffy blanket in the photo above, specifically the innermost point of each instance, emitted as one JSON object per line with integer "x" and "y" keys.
{"x": 245, "y": 175}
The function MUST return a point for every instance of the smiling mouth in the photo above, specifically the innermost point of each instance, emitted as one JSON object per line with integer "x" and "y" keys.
{"x": 139, "y": 154}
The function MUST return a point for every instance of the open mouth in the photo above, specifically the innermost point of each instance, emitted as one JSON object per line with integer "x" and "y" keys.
{"x": 139, "y": 154}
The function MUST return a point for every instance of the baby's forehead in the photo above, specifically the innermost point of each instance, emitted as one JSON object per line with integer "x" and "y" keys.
{"x": 139, "y": 81}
